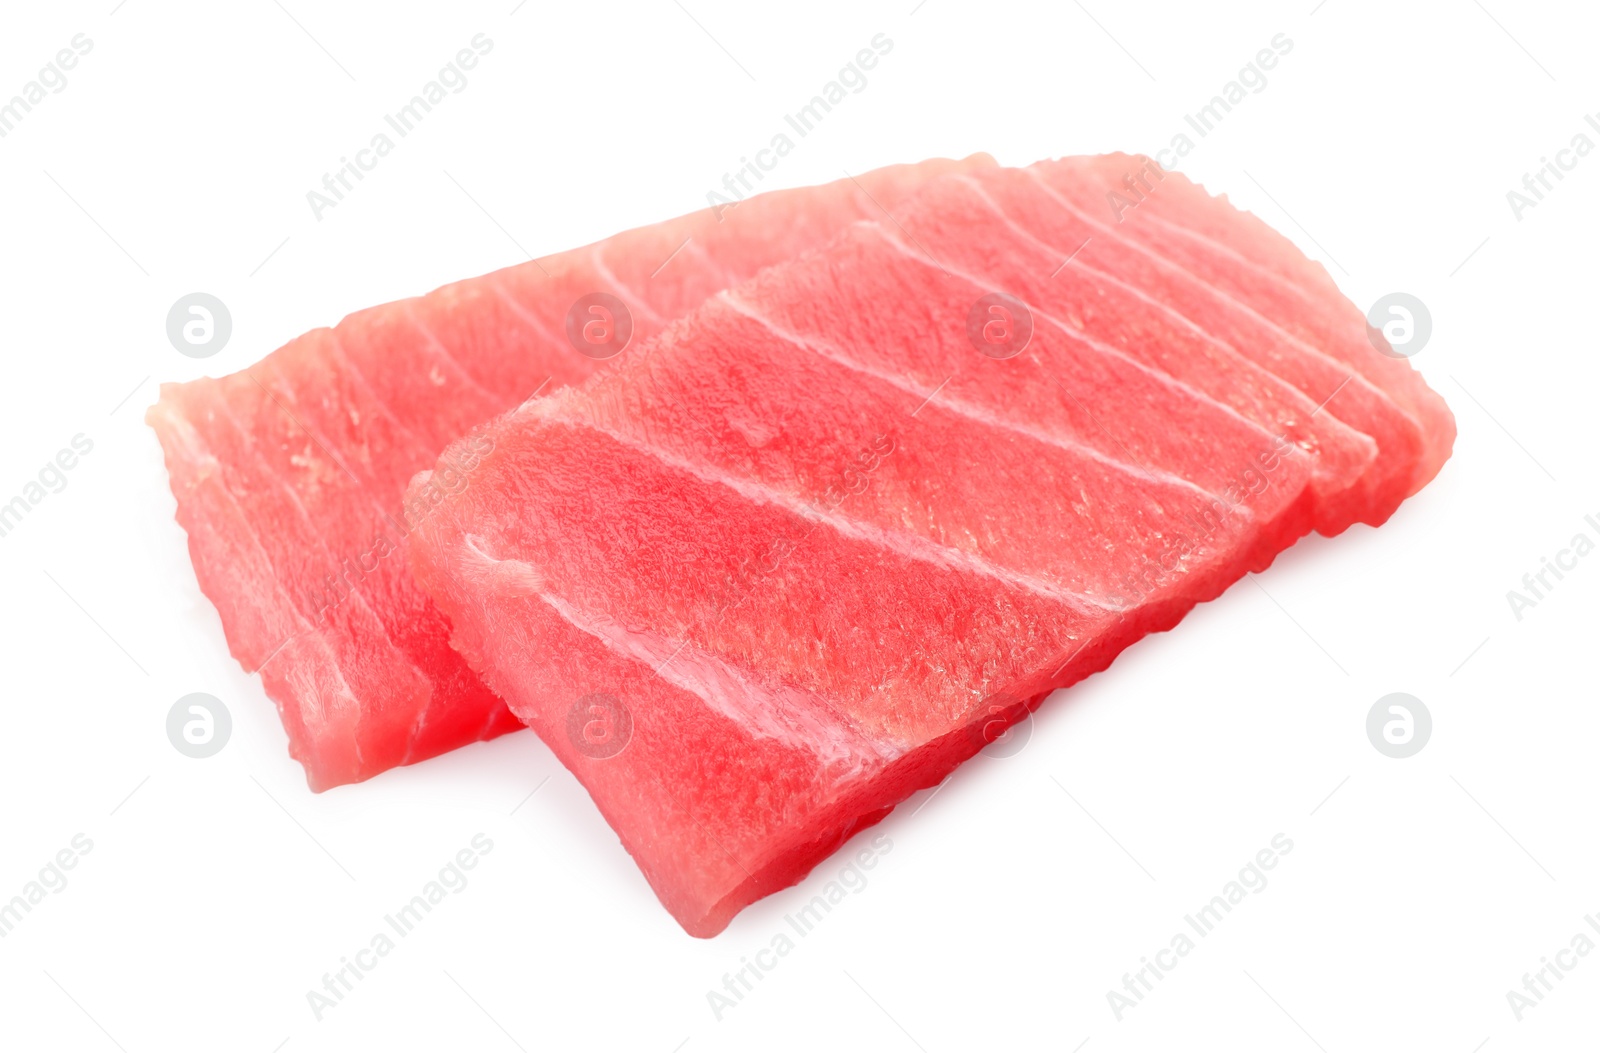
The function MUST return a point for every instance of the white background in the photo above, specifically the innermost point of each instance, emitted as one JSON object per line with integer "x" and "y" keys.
{"x": 177, "y": 159}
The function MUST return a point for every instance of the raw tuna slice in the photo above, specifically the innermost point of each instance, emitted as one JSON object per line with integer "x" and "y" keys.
{"x": 1099, "y": 251}
{"x": 818, "y": 542}
{"x": 289, "y": 475}
{"x": 1256, "y": 266}
{"x": 1111, "y": 309}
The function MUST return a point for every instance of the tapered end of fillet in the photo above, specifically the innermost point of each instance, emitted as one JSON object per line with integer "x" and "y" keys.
{"x": 1274, "y": 300}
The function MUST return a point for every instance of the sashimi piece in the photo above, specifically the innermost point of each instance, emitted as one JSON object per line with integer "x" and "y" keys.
{"x": 908, "y": 323}
{"x": 290, "y": 474}
{"x": 746, "y": 413}
{"x": 1099, "y": 250}
{"x": 813, "y": 545}
{"x": 764, "y": 658}
{"x": 1258, "y": 266}
{"x": 957, "y": 228}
